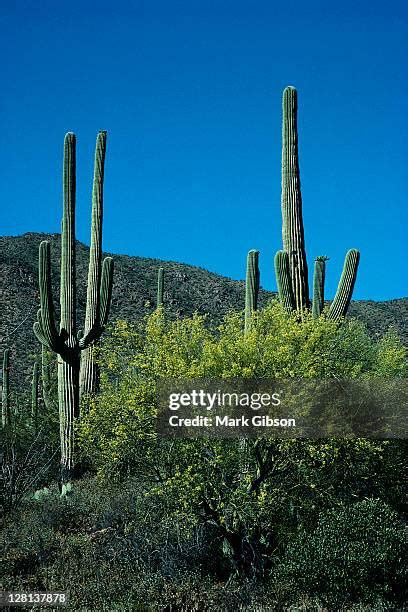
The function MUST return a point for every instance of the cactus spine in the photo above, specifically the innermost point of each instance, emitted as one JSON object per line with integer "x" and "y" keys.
{"x": 160, "y": 287}
{"x": 251, "y": 287}
{"x": 292, "y": 219}
{"x": 34, "y": 395}
{"x": 5, "y": 392}
{"x": 66, "y": 342}
{"x": 290, "y": 264}
{"x": 319, "y": 274}
{"x": 341, "y": 302}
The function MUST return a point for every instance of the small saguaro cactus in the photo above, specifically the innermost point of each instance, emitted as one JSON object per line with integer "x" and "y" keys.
{"x": 251, "y": 287}
{"x": 160, "y": 287}
{"x": 319, "y": 274}
{"x": 34, "y": 395}
{"x": 290, "y": 264}
{"x": 5, "y": 390}
{"x": 66, "y": 342}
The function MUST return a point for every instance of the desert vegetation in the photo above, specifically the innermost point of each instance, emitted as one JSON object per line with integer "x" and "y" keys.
{"x": 96, "y": 503}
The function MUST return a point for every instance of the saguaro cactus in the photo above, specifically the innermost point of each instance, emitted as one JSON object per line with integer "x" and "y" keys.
{"x": 251, "y": 287}
{"x": 5, "y": 391}
{"x": 290, "y": 264}
{"x": 319, "y": 274}
{"x": 66, "y": 342}
{"x": 292, "y": 218}
{"x": 160, "y": 287}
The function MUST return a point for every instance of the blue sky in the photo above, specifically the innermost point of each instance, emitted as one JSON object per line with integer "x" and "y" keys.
{"x": 190, "y": 94}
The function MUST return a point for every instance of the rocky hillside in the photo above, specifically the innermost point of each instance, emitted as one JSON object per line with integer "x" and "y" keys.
{"x": 187, "y": 289}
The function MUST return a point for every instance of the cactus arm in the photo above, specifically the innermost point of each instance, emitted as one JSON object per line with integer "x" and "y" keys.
{"x": 342, "y": 299}
{"x": 46, "y": 320}
{"x": 46, "y": 379}
{"x": 319, "y": 274}
{"x": 160, "y": 287}
{"x": 108, "y": 267}
{"x": 292, "y": 218}
{"x": 37, "y": 329}
{"x": 105, "y": 302}
{"x": 283, "y": 281}
{"x": 100, "y": 279}
{"x": 5, "y": 392}
{"x": 93, "y": 304}
{"x": 251, "y": 287}
{"x": 89, "y": 374}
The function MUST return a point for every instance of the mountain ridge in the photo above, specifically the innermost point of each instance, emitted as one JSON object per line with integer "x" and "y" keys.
{"x": 188, "y": 289}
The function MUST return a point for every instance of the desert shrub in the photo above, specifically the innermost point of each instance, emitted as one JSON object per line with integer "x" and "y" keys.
{"x": 28, "y": 459}
{"x": 354, "y": 555}
{"x": 118, "y": 433}
{"x": 121, "y": 552}
{"x": 199, "y": 482}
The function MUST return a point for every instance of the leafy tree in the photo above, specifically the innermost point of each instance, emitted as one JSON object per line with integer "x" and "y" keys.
{"x": 252, "y": 515}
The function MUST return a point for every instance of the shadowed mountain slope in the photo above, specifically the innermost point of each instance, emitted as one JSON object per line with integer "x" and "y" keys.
{"x": 187, "y": 289}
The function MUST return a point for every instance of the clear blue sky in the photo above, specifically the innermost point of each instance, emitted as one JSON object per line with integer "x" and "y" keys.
{"x": 190, "y": 93}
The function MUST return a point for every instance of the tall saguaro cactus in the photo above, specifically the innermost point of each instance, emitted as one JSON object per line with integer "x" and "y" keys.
{"x": 251, "y": 287}
{"x": 66, "y": 342}
{"x": 292, "y": 218}
{"x": 160, "y": 287}
{"x": 5, "y": 391}
{"x": 290, "y": 264}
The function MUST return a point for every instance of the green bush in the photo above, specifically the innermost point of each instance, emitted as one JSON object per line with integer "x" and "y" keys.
{"x": 115, "y": 549}
{"x": 354, "y": 555}
{"x": 199, "y": 482}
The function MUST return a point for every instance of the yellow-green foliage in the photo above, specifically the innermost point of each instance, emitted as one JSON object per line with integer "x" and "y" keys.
{"x": 201, "y": 476}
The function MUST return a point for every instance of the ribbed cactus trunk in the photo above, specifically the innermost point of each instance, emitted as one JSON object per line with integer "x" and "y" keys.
{"x": 89, "y": 373}
{"x": 319, "y": 274}
{"x": 66, "y": 342}
{"x": 46, "y": 379}
{"x": 68, "y": 399}
{"x": 251, "y": 287}
{"x": 68, "y": 359}
{"x": 342, "y": 299}
{"x": 5, "y": 391}
{"x": 160, "y": 287}
{"x": 292, "y": 218}
{"x": 283, "y": 281}
{"x": 34, "y": 396}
